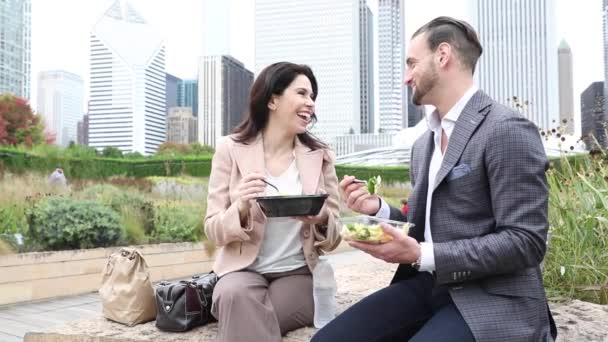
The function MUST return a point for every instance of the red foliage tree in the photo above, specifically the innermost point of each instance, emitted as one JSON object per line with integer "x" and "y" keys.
{"x": 18, "y": 124}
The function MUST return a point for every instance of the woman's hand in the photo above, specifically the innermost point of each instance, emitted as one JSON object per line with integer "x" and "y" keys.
{"x": 251, "y": 186}
{"x": 321, "y": 218}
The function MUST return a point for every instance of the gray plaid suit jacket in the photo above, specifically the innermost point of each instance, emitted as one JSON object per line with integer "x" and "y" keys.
{"x": 488, "y": 221}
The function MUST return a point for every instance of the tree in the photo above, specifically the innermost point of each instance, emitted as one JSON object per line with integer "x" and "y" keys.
{"x": 197, "y": 148}
{"x": 18, "y": 124}
{"x": 111, "y": 152}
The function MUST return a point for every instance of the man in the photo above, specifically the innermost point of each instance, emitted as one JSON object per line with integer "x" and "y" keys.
{"x": 57, "y": 178}
{"x": 469, "y": 269}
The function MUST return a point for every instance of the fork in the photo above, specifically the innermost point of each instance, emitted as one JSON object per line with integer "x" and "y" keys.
{"x": 272, "y": 185}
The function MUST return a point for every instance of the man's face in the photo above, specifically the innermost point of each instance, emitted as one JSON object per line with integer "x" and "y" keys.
{"x": 421, "y": 72}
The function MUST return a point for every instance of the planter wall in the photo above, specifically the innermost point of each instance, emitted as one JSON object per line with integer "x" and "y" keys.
{"x": 34, "y": 276}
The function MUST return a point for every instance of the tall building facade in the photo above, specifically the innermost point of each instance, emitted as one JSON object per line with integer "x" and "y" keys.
{"x": 326, "y": 36}
{"x": 82, "y": 131}
{"x": 566, "y": 87}
{"x": 182, "y": 127}
{"x": 60, "y": 103}
{"x": 15, "y": 47}
{"x": 414, "y": 113}
{"x": 127, "y": 92}
{"x": 223, "y": 87}
{"x": 171, "y": 91}
{"x": 391, "y": 61}
{"x": 519, "y": 57}
{"x": 187, "y": 95}
{"x": 593, "y": 116}
{"x": 366, "y": 46}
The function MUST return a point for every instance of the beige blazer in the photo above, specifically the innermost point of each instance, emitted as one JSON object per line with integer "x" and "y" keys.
{"x": 240, "y": 245}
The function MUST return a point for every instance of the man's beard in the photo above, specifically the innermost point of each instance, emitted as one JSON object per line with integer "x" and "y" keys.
{"x": 426, "y": 84}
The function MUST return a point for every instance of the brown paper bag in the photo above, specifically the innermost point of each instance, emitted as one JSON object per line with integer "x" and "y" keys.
{"x": 127, "y": 295}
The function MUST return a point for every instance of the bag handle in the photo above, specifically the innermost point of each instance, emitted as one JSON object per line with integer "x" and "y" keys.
{"x": 131, "y": 254}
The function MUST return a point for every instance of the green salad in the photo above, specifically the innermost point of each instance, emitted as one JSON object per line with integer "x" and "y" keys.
{"x": 373, "y": 184}
{"x": 372, "y": 233}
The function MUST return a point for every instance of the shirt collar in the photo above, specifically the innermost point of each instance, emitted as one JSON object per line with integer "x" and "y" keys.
{"x": 432, "y": 119}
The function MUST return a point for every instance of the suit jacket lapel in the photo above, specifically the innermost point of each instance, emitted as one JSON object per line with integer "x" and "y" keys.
{"x": 472, "y": 115}
{"x": 309, "y": 166}
{"x": 250, "y": 158}
{"x": 422, "y": 181}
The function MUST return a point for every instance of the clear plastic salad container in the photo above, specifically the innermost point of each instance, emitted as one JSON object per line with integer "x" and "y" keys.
{"x": 367, "y": 228}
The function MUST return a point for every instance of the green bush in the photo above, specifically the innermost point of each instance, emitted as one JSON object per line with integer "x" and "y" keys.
{"x": 178, "y": 223}
{"x": 111, "y": 152}
{"x": 132, "y": 206}
{"x": 59, "y": 223}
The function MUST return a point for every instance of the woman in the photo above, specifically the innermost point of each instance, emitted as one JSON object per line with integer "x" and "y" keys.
{"x": 265, "y": 264}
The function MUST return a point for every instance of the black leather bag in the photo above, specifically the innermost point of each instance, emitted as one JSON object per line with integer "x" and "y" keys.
{"x": 186, "y": 304}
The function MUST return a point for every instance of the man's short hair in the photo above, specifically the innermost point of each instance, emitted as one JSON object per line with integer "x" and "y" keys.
{"x": 458, "y": 33}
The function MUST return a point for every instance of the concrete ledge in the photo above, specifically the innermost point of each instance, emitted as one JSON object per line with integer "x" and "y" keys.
{"x": 42, "y": 275}
{"x": 361, "y": 275}
{"x": 356, "y": 279}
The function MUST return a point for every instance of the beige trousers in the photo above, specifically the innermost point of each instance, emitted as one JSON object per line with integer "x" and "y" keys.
{"x": 257, "y": 307}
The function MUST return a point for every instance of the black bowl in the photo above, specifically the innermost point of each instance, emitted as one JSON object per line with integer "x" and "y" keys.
{"x": 303, "y": 205}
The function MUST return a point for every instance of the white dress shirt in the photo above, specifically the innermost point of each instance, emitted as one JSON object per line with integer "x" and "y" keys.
{"x": 435, "y": 124}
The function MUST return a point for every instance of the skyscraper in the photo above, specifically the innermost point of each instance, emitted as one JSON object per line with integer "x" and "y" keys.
{"x": 181, "y": 126}
{"x": 519, "y": 56}
{"x": 326, "y": 36}
{"x": 566, "y": 87}
{"x": 391, "y": 61}
{"x": 366, "y": 46}
{"x": 171, "y": 91}
{"x": 127, "y": 98}
{"x": 593, "y": 116}
{"x": 414, "y": 113}
{"x": 187, "y": 95}
{"x": 223, "y": 87}
{"x": 82, "y": 131}
{"x": 15, "y": 47}
{"x": 60, "y": 103}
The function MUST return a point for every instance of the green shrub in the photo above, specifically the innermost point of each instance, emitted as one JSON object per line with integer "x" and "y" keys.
{"x": 127, "y": 202}
{"x": 178, "y": 222}
{"x": 80, "y": 152}
{"x": 111, "y": 152}
{"x": 59, "y": 223}
{"x": 133, "y": 223}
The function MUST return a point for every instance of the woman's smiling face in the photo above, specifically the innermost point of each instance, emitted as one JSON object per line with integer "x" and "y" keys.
{"x": 294, "y": 108}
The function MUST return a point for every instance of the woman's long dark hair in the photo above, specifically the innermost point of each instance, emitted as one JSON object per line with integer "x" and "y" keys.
{"x": 273, "y": 80}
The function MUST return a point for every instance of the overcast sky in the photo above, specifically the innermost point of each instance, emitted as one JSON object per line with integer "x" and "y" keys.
{"x": 61, "y": 28}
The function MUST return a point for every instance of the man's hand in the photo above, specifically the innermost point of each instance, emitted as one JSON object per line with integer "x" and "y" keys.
{"x": 402, "y": 249}
{"x": 357, "y": 197}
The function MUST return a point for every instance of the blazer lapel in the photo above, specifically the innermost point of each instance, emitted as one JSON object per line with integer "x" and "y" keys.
{"x": 472, "y": 115}
{"x": 418, "y": 207}
{"x": 309, "y": 166}
{"x": 250, "y": 158}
